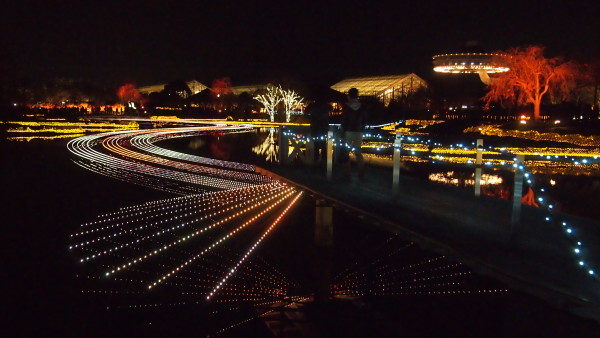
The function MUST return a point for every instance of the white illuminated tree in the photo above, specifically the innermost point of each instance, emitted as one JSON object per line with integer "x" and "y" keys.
{"x": 290, "y": 100}
{"x": 270, "y": 100}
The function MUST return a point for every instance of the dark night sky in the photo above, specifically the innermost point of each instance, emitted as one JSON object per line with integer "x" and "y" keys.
{"x": 255, "y": 41}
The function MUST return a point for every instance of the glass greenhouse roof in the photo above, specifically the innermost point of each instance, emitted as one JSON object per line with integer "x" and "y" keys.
{"x": 376, "y": 84}
{"x": 250, "y": 89}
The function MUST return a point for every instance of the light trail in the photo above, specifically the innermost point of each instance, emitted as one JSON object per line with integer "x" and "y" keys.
{"x": 185, "y": 244}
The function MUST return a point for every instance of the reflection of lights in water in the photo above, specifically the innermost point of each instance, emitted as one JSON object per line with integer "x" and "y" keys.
{"x": 449, "y": 177}
{"x": 196, "y": 143}
{"x": 46, "y": 138}
{"x": 268, "y": 148}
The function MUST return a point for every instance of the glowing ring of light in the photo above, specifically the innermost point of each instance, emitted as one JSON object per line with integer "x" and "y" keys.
{"x": 467, "y": 63}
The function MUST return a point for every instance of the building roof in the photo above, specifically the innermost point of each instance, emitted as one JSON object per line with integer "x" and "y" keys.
{"x": 194, "y": 86}
{"x": 250, "y": 89}
{"x": 375, "y": 85}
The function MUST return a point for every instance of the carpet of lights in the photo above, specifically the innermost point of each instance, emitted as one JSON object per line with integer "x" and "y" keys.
{"x": 202, "y": 248}
{"x": 195, "y": 249}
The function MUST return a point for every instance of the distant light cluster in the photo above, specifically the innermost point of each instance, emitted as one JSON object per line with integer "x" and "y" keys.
{"x": 576, "y": 139}
{"x": 467, "y": 63}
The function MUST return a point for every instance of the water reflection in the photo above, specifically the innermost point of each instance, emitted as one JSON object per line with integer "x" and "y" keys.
{"x": 268, "y": 148}
{"x": 464, "y": 180}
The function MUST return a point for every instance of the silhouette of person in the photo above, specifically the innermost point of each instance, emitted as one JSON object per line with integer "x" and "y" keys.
{"x": 353, "y": 120}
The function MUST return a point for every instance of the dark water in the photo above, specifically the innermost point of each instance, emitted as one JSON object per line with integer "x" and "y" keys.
{"x": 47, "y": 197}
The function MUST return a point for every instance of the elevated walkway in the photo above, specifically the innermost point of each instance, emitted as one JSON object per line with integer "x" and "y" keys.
{"x": 537, "y": 258}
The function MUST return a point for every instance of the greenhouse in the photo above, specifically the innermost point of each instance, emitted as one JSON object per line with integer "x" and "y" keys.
{"x": 385, "y": 88}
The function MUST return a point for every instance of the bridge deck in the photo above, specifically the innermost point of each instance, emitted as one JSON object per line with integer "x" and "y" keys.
{"x": 538, "y": 258}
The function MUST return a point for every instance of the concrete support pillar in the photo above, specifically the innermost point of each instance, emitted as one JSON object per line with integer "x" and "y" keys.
{"x": 478, "y": 163}
{"x": 323, "y": 223}
{"x": 396, "y": 167}
{"x": 310, "y": 151}
{"x": 517, "y": 193}
{"x": 323, "y": 250}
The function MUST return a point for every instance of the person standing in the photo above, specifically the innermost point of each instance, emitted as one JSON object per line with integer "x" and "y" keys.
{"x": 353, "y": 121}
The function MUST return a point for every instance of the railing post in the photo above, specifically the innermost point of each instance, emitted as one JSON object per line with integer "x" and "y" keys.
{"x": 396, "y": 170}
{"x": 478, "y": 162}
{"x": 329, "y": 154}
{"x": 517, "y": 193}
{"x": 283, "y": 146}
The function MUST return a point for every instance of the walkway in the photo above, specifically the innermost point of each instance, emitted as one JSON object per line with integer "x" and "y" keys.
{"x": 537, "y": 259}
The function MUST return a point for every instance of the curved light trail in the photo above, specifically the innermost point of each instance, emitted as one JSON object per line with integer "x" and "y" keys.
{"x": 196, "y": 248}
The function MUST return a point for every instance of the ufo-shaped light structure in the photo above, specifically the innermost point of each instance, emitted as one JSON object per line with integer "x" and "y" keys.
{"x": 461, "y": 63}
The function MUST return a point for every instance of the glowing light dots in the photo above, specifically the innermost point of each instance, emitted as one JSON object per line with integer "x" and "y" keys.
{"x": 187, "y": 244}
{"x": 216, "y": 288}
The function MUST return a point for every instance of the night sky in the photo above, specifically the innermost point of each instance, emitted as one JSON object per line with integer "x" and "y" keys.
{"x": 255, "y": 41}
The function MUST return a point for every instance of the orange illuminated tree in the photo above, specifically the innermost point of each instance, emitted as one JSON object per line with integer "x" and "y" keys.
{"x": 531, "y": 76}
{"x": 221, "y": 86}
{"x": 128, "y": 93}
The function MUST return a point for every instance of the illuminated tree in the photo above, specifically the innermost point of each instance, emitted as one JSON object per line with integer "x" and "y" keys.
{"x": 128, "y": 93}
{"x": 531, "y": 76}
{"x": 221, "y": 86}
{"x": 270, "y": 100}
{"x": 591, "y": 87}
{"x": 290, "y": 100}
